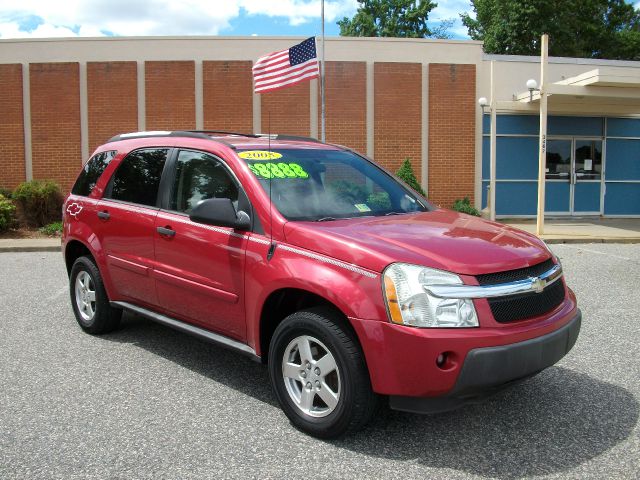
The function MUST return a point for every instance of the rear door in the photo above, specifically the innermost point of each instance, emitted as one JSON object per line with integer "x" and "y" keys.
{"x": 200, "y": 268}
{"x": 127, "y": 215}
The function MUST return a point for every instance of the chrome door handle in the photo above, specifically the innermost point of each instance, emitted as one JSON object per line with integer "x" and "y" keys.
{"x": 104, "y": 215}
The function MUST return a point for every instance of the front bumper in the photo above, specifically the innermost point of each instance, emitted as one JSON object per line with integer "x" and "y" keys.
{"x": 490, "y": 369}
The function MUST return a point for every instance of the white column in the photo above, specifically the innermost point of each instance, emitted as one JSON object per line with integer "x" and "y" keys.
{"x": 492, "y": 154}
{"x": 84, "y": 113}
{"x": 199, "y": 95}
{"x": 542, "y": 160}
{"x": 313, "y": 108}
{"x": 142, "y": 105}
{"x": 26, "y": 121}
{"x": 425, "y": 128}
{"x": 257, "y": 113}
{"x": 370, "y": 111}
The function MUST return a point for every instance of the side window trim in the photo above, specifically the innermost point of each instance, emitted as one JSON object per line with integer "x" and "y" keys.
{"x": 108, "y": 191}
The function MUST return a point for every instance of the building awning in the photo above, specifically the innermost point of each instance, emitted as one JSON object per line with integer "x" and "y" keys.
{"x": 596, "y": 91}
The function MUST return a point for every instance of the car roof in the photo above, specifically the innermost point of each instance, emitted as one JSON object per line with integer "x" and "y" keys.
{"x": 232, "y": 139}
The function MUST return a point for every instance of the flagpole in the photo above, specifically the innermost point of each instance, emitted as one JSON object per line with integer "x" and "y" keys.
{"x": 322, "y": 137}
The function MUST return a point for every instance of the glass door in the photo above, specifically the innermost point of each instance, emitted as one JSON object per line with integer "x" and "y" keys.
{"x": 558, "y": 177}
{"x": 587, "y": 177}
{"x": 573, "y": 177}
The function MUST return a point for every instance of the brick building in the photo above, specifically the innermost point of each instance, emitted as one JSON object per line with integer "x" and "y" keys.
{"x": 388, "y": 98}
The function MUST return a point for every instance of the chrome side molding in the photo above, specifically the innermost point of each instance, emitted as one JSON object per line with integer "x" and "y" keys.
{"x": 190, "y": 329}
{"x": 528, "y": 285}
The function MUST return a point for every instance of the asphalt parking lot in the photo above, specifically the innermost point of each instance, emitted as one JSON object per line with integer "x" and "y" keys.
{"x": 149, "y": 402}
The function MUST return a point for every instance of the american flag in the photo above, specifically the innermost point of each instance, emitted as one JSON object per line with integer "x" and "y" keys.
{"x": 286, "y": 67}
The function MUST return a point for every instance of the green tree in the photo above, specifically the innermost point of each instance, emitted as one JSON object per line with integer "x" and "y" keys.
{"x": 405, "y": 173}
{"x": 576, "y": 28}
{"x": 393, "y": 18}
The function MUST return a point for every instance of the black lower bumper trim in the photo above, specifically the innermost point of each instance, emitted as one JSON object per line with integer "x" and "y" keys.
{"x": 488, "y": 370}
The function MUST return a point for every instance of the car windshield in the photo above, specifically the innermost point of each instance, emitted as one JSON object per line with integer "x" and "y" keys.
{"x": 324, "y": 185}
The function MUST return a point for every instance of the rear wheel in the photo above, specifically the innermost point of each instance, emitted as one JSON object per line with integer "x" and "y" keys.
{"x": 319, "y": 374}
{"x": 89, "y": 298}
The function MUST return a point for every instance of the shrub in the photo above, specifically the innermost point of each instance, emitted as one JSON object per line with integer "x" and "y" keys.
{"x": 405, "y": 173}
{"x": 464, "y": 206}
{"x": 379, "y": 201}
{"x": 349, "y": 191}
{"x": 53, "y": 229}
{"x": 5, "y": 192}
{"x": 39, "y": 202}
{"x": 7, "y": 213}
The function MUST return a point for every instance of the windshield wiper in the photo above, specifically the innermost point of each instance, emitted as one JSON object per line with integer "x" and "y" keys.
{"x": 325, "y": 219}
{"x": 394, "y": 213}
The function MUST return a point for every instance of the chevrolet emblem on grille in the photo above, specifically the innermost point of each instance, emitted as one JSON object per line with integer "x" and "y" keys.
{"x": 538, "y": 284}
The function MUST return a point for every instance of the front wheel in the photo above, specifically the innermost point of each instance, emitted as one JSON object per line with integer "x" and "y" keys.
{"x": 319, "y": 374}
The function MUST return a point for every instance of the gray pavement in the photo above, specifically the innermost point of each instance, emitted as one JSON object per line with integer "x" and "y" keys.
{"x": 149, "y": 402}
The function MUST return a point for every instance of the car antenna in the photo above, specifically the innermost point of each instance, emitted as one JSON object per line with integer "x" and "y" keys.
{"x": 272, "y": 245}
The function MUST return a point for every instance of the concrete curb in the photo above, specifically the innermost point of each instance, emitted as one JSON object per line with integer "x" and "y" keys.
{"x": 30, "y": 248}
{"x": 591, "y": 240}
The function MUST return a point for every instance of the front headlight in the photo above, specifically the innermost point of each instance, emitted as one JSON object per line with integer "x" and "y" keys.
{"x": 409, "y": 303}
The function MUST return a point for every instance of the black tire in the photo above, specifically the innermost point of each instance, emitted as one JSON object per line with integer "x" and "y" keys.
{"x": 356, "y": 402}
{"x": 105, "y": 318}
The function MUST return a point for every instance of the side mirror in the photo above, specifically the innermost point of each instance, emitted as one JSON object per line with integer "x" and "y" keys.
{"x": 220, "y": 212}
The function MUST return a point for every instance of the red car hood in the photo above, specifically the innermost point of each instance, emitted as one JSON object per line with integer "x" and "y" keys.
{"x": 439, "y": 239}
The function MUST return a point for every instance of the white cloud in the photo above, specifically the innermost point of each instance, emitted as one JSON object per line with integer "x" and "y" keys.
{"x": 151, "y": 17}
{"x": 451, "y": 10}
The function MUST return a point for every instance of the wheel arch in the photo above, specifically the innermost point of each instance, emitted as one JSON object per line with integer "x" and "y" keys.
{"x": 283, "y": 302}
{"x": 73, "y": 250}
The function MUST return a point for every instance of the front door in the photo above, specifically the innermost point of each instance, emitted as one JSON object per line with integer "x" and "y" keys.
{"x": 200, "y": 268}
{"x": 574, "y": 176}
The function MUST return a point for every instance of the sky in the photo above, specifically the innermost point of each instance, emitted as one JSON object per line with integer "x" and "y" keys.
{"x": 89, "y": 18}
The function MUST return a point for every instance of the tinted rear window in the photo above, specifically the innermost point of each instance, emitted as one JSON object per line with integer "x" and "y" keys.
{"x": 91, "y": 172}
{"x": 137, "y": 179}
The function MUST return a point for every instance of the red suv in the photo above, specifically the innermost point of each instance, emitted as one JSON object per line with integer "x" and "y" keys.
{"x": 313, "y": 259}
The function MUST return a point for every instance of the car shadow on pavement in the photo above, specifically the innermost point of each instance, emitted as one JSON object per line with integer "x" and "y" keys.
{"x": 550, "y": 423}
{"x": 212, "y": 361}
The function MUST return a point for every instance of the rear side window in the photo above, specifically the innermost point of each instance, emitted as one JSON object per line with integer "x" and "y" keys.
{"x": 91, "y": 173}
{"x": 137, "y": 179}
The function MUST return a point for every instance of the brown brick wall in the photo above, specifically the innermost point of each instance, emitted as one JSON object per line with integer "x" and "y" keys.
{"x": 228, "y": 96}
{"x": 452, "y": 106}
{"x": 55, "y": 122}
{"x": 289, "y": 109}
{"x": 398, "y": 111}
{"x": 112, "y": 94}
{"x": 170, "y": 95}
{"x": 346, "y": 104}
{"x": 12, "y": 170}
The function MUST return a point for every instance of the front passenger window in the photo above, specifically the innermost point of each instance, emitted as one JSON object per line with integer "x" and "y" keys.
{"x": 200, "y": 176}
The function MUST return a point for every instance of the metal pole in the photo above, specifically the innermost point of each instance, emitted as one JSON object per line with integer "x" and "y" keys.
{"x": 492, "y": 151}
{"x": 322, "y": 128}
{"x": 542, "y": 160}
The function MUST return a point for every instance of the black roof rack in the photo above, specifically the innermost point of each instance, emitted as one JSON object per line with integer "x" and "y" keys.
{"x": 160, "y": 133}
{"x": 222, "y": 132}
{"x": 258, "y": 135}
{"x": 206, "y": 134}
{"x": 175, "y": 133}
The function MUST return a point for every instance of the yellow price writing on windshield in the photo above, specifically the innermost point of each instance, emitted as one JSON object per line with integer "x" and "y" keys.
{"x": 259, "y": 155}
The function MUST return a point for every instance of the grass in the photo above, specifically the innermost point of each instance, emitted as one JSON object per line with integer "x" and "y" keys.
{"x": 53, "y": 229}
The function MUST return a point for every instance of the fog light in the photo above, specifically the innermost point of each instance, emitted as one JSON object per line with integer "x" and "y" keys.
{"x": 441, "y": 359}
